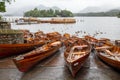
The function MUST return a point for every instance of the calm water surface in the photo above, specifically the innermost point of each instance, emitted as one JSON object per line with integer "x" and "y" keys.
{"x": 109, "y": 26}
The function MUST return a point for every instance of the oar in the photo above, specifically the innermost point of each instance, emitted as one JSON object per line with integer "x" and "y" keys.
{"x": 111, "y": 54}
{"x": 103, "y": 47}
{"x": 78, "y": 53}
{"x": 108, "y": 52}
{"x": 116, "y": 57}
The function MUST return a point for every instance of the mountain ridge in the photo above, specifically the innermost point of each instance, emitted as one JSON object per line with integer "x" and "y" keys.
{"x": 112, "y": 12}
{"x": 97, "y": 9}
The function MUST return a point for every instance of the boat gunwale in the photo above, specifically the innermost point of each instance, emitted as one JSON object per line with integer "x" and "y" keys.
{"x": 37, "y": 57}
{"x": 19, "y": 45}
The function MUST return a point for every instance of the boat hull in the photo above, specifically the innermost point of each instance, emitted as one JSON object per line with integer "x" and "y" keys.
{"x": 12, "y": 49}
{"x": 113, "y": 63}
{"x": 76, "y": 53}
{"x": 75, "y": 66}
{"x": 35, "y": 56}
{"x": 62, "y": 22}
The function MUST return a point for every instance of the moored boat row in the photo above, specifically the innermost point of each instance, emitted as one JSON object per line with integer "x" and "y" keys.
{"x": 110, "y": 55}
{"x": 23, "y": 21}
{"x": 76, "y": 52}
{"x": 14, "y": 49}
{"x": 64, "y": 20}
{"x": 28, "y": 44}
{"x": 108, "y": 52}
{"x": 28, "y": 60}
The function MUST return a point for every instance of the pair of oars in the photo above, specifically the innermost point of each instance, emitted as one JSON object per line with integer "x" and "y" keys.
{"x": 72, "y": 51}
{"x": 105, "y": 49}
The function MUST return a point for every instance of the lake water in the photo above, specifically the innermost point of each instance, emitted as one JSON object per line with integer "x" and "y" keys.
{"x": 109, "y": 26}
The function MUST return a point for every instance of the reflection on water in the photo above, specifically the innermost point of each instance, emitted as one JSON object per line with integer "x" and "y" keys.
{"x": 96, "y": 26}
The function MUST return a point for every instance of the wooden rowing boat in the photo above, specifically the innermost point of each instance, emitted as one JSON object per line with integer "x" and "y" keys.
{"x": 28, "y": 60}
{"x": 44, "y": 21}
{"x": 117, "y": 42}
{"x": 62, "y": 21}
{"x": 97, "y": 42}
{"x": 91, "y": 39}
{"x": 76, "y": 53}
{"x": 110, "y": 55}
{"x": 12, "y": 49}
{"x": 54, "y": 36}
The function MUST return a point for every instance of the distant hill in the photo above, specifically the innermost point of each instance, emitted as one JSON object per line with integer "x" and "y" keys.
{"x": 95, "y": 9}
{"x": 113, "y": 12}
{"x": 20, "y": 11}
{"x": 42, "y": 7}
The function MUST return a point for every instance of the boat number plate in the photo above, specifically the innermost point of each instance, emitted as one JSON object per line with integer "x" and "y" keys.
{"x": 75, "y": 64}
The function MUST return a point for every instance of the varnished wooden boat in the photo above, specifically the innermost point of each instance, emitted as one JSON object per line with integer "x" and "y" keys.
{"x": 54, "y": 36}
{"x": 65, "y": 37}
{"x": 62, "y": 21}
{"x": 24, "y": 21}
{"x": 110, "y": 55}
{"x": 91, "y": 40}
{"x": 28, "y": 60}
{"x": 97, "y": 42}
{"x": 117, "y": 42}
{"x": 76, "y": 53}
{"x": 44, "y": 21}
{"x": 12, "y": 49}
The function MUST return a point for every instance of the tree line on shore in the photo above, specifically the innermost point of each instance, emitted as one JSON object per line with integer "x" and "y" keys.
{"x": 65, "y": 13}
{"x": 61, "y": 13}
{"x": 111, "y": 13}
{"x": 48, "y": 13}
{"x": 118, "y": 15}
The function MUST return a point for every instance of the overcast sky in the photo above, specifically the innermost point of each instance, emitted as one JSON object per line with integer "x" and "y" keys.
{"x": 73, "y": 5}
